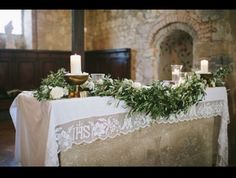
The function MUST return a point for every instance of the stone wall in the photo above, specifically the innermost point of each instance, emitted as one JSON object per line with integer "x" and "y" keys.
{"x": 144, "y": 30}
{"x": 213, "y": 33}
{"x": 54, "y": 29}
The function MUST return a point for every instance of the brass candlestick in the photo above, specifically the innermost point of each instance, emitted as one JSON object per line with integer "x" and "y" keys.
{"x": 76, "y": 80}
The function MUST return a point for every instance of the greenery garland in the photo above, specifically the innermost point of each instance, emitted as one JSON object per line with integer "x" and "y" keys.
{"x": 158, "y": 99}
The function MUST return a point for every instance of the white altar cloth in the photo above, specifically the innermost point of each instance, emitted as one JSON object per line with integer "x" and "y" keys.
{"x": 43, "y": 129}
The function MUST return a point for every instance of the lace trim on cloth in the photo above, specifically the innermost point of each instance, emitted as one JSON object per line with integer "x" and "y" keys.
{"x": 91, "y": 129}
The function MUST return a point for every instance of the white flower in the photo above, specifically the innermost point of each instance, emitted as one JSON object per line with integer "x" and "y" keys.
{"x": 181, "y": 81}
{"x": 213, "y": 84}
{"x": 100, "y": 81}
{"x": 57, "y": 92}
{"x": 111, "y": 80}
{"x": 167, "y": 93}
{"x": 90, "y": 85}
{"x": 136, "y": 85}
{"x": 66, "y": 91}
{"x": 127, "y": 82}
{"x": 146, "y": 87}
{"x": 174, "y": 86}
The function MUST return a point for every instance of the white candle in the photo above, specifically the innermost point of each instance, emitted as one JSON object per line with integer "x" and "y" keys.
{"x": 204, "y": 66}
{"x": 75, "y": 64}
{"x": 175, "y": 75}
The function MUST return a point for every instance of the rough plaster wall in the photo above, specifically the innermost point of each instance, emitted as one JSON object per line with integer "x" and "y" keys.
{"x": 54, "y": 29}
{"x": 122, "y": 29}
{"x": 215, "y": 39}
{"x": 126, "y": 28}
{"x": 222, "y": 50}
{"x": 132, "y": 28}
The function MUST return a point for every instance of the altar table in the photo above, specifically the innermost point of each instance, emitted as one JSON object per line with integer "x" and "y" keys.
{"x": 45, "y": 129}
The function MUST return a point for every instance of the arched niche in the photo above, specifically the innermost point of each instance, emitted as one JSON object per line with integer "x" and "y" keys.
{"x": 172, "y": 43}
{"x": 176, "y": 48}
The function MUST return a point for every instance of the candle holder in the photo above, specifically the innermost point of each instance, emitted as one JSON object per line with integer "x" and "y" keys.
{"x": 175, "y": 70}
{"x": 97, "y": 76}
{"x": 76, "y": 80}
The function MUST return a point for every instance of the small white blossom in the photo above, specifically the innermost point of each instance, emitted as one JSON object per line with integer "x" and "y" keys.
{"x": 57, "y": 92}
{"x": 213, "y": 84}
{"x": 127, "y": 82}
{"x": 167, "y": 93}
{"x": 90, "y": 85}
{"x": 146, "y": 87}
{"x": 136, "y": 85}
{"x": 111, "y": 80}
{"x": 174, "y": 86}
{"x": 181, "y": 80}
{"x": 66, "y": 91}
{"x": 100, "y": 81}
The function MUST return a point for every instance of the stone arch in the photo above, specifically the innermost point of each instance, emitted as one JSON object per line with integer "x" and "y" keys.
{"x": 169, "y": 28}
{"x": 192, "y": 24}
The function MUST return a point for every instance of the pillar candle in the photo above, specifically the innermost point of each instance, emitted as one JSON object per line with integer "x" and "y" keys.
{"x": 75, "y": 64}
{"x": 204, "y": 66}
